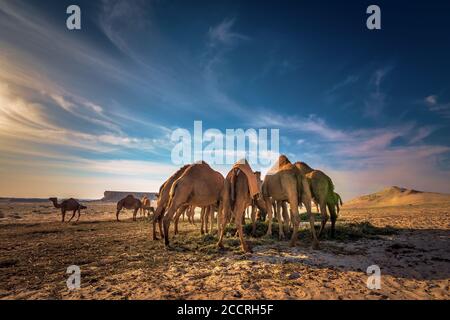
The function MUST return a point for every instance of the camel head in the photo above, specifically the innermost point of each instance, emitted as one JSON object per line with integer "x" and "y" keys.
{"x": 55, "y": 202}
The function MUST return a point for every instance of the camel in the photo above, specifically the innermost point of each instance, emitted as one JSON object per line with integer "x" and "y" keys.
{"x": 287, "y": 183}
{"x": 129, "y": 202}
{"x": 163, "y": 200}
{"x": 198, "y": 186}
{"x": 68, "y": 205}
{"x": 322, "y": 190}
{"x": 146, "y": 206}
{"x": 240, "y": 198}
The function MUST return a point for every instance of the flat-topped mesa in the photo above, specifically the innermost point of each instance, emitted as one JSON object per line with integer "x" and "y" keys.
{"x": 114, "y": 196}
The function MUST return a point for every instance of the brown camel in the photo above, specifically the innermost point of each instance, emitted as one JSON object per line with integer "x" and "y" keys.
{"x": 68, "y": 205}
{"x": 130, "y": 203}
{"x": 240, "y": 198}
{"x": 198, "y": 186}
{"x": 146, "y": 206}
{"x": 287, "y": 183}
{"x": 163, "y": 200}
{"x": 322, "y": 190}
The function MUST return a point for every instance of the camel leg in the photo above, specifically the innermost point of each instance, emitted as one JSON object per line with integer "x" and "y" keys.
{"x": 221, "y": 223}
{"x": 280, "y": 223}
{"x": 286, "y": 220}
{"x": 180, "y": 211}
{"x": 307, "y": 204}
{"x": 156, "y": 218}
{"x": 323, "y": 212}
{"x": 269, "y": 213}
{"x": 63, "y": 215}
{"x": 202, "y": 220}
{"x": 73, "y": 215}
{"x": 240, "y": 213}
{"x": 79, "y": 213}
{"x": 211, "y": 213}
{"x": 293, "y": 203}
{"x": 177, "y": 220}
{"x": 192, "y": 214}
{"x": 160, "y": 225}
{"x": 177, "y": 200}
{"x": 333, "y": 215}
{"x": 117, "y": 214}
{"x": 188, "y": 216}
{"x": 253, "y": 217}
{"x": 207, "y": 211}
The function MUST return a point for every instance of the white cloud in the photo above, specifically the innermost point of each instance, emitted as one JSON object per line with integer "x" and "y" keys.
{"x": 433, "y": 104}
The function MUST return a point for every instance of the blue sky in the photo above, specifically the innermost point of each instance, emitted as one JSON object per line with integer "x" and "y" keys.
{"x": 92, "y": 110}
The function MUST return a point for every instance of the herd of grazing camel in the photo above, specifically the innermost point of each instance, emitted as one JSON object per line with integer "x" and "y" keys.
{"x": 199, "y": 186}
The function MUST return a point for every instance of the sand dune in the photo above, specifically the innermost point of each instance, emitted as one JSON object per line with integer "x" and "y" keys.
{"x": 396, "y": 196}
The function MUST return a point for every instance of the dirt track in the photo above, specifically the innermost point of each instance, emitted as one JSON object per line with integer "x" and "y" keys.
{"x": 119, "y": 261}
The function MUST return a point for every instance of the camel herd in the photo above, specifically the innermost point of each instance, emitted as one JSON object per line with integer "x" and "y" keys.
{"x": 227, "y": 199}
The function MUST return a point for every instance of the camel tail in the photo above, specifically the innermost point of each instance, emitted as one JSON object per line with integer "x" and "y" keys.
{"x": 232, "y": 186}
{"x": 339, "y": 198}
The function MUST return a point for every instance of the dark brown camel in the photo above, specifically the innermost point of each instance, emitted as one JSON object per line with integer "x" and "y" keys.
{"x": 130, "y": 203}
{"x": 68, "y": 205}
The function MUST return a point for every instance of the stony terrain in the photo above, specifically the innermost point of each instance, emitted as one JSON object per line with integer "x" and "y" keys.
{"x": 119, "y": 260}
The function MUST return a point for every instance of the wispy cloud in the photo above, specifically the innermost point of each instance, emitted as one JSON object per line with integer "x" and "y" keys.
{"x": 434, "y": 105}
{"x": 362, "y": 154}
{"x": 376, "y": 101}
{"x": 340, "y": 85}
{"x": 222, "y": 34}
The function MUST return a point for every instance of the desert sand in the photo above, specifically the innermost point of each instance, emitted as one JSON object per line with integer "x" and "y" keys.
{"x": 119, "y": 260}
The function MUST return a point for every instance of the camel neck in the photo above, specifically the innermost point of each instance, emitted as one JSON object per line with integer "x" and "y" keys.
{"x": 56, "y": 204}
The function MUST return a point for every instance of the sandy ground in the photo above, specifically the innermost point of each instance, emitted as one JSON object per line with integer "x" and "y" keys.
{"x": 119, "y": 261}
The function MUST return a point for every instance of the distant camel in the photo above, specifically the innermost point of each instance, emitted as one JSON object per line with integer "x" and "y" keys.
{"x": 163, "y": 200}
{"x": 146, "y": 206}
{"x": 199, "y": 186}
{"x": 287, "y": 183}
{"x": 68, "y": 205}
{"x": 130, "y": 203}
